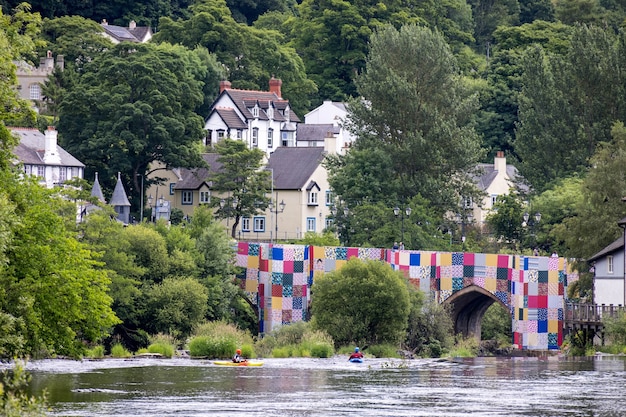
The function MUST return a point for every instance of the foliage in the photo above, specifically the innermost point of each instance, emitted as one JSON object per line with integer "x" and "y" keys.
{"x": 416, "y": 111}
{"x": 166, "y": 350}
{"x": 14, "y": 398}
{"x": 96, "y": 352}
{"x": 175, "y": 306}
{"x": 119, "y": 351}
{"x": 383, "y": 351}
{"x": 464, "y": 348}
{"x": 430, "y": 326}
{"x": 496, "y": 324}
{"x": 138, "y": 102}
{"x": 212, "y": 347}
{"x": 327, "y": 238}
{"x": 363, "y": 303}
{"x": 296, "y": 340}
{"x": 242, "y": 180}
{"x": 505, "y": 220}
{"x": 218, "y": 339}
{"x": 615, "y": 329}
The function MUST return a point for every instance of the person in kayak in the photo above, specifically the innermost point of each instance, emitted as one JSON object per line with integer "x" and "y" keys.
{"x": 237, "y": 358}
{"x": 356, "y": 355}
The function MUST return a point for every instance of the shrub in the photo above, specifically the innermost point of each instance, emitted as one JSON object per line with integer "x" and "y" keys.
{"x": 97, "y": 352}
{"x": 465, "y": 348}
{"x": 164, "y": 349}
{"x": 322, "y": 350}
{"x": 383, "y": 351}
{"x": 119, "y": 351}
{"x": 14, "y": 401}
{"x": 220, "y": 340}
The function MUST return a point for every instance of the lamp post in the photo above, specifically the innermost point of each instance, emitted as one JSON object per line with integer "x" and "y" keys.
{"x": 531, "y": 222}
{"x": 151, "y": 209}
{"x": 142, "y": 190}
{"x": 275, "y": 209}
{"x": 396, "y": 212}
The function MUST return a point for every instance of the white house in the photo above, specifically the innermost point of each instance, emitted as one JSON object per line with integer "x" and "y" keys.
{"x": 319, "y": 122}
{"x": 41, "y": 156}
{"x": 609, "y": 277}
{"x": 31, "y": 78}
{"x": 132, "y": 33}
{"x": 262, "y": 119}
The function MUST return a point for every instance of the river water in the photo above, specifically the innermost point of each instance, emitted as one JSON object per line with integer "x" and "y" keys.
{"x": 548, "y": 386}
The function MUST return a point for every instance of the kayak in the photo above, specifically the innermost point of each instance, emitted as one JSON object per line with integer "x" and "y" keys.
{"x": 356, "y": 360}
{"x": 231, "y": 363}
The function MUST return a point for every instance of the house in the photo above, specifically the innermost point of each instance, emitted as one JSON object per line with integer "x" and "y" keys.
{"x": 132, "y": 33}
{"x": 262, "y": 119}
{"x": 494, "y": 180}
{"x": 31, "y": 78}
{"x": 609, "y": 279}
{"x": 329, "y": 117}
{"x": 41, "y": 156}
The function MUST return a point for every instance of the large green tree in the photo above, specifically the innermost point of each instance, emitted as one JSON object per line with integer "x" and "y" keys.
{"x": 362, "y": 303}
{"x": 134, "y": 105}
{"x": 417, "y": 110}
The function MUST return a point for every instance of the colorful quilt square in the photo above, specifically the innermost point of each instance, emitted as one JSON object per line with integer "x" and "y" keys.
{"x": 414, "y": 258}
{"x": 502, "y": 285}
{"x": 287, "y": 290}
{"x": 457, "y": 284}
{"x": 298, "y": 266}
{"x": 542, "y": 313}
{"x": 445, "y": 271}
{"x": 445, "y": 259}
{"x": 491, "y": 284}
{"x": 502, "y": 296}
{"x": 288, "y": 267}
{"x": 553, "y": 341}
{"x": 341, "y": 253}
{"x": 542, "y": 276}
{"x": 277, "y": 290}
{"x": 277, "y": 303}
{"x": 468, "y": 271}
{"x": 457, "y": 258}
{"x": 491, "y": 260}
{"x": 277, "y": 266}
{"x": 277, "y": 253}
{"x": 468, "y": 259}
{"x": 352, "y": 253}
{"x": 287, "y": 279}
{"x": 502, "y": 273}
{"x": 286, "y": 318}
{"x": 491, "y": 272}
{"x": 457, "y": 271}
{"x": 467, "y": 282}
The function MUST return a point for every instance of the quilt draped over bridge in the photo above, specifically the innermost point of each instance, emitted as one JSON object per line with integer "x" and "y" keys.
{"x": 533, "y": 288}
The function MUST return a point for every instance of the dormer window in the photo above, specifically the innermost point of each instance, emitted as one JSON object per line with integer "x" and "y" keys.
{"x": 313, "y": 194}
{"x": 255, "y": 111}
{"x": 270, "y": 112}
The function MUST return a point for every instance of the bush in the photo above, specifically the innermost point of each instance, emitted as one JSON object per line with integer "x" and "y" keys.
{"x": 220, "y": 340}
{"x": 465, "y": 348}
{"x": 119, "y": 351}
{"x": 297, "y": 340}
{"x": 97, "y": 352}
{"x": 162, "y": 348}
{"x": 14, "y": 401}
{"x": 212, "y": 347}
{"x": 383, "y": 351}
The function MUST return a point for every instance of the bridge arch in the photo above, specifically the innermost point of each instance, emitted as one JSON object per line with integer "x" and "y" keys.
{"x": 468, "y": 308}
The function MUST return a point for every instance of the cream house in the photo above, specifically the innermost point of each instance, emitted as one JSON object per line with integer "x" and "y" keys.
{"x": 494, "y": 180}
{"x": 328, "y": 118}
{"x": 30, "y": 79}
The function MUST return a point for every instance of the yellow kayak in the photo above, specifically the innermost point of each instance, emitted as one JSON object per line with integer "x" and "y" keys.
{"x": 245, "y": 363}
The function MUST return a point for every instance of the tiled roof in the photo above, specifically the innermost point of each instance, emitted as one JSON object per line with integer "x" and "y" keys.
{"x": 230, "y": 117}
{"x": 613, "y": 247}
{"x": 293, "y": 167}
{"x": 119, "y": 197}
{"x": 31, "y": 148}
{"x": 192, "y": 179}
{"x": 245, "y": 99}
{"x": 487, "y": 174}
{"x": 314, "y": 132}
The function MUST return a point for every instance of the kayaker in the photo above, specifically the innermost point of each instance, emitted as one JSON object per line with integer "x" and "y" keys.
{"x": 237, "y": 358}
{"x": 357, "y": 354}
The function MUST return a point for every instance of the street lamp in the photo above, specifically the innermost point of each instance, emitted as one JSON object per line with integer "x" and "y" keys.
{"x": 529, "y": 222}
{"x": 274, "y": 209}
{"x": 396, "y": 212}
{"x": 151, "y": 209}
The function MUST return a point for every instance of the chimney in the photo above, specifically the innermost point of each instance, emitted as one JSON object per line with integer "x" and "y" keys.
{"x": 499, "y": 163}
{"x": 275, "y": 84}
{"x": 51, "y": 152}
{"x": 61, "y": 62}
{"x": 132, "y": 25}
{"x": 330, "y": 143}
{"x": 224, "y": 85}
{"x": 104, "y": 22}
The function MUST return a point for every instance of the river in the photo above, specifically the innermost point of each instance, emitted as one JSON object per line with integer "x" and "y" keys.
{"x": 548, "y": 386}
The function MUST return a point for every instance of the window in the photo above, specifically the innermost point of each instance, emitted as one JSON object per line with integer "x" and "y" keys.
{"x": 220, "y": 134}
{"x": 255, "y": 137}
{"x": 172, "y": 185}
{"x": 287, "y": 138}
{"x": 255, "y": 111}
{"x": 28, "y": 169}
{"x": 207, "y": 138}
{"x": 238, "y": 133}
{"x": 205, "y": 197}
{"x": 62, "y": 174}
{"x": 329, "y": 198}
{"x": 310, "y": 224}
{"x": 494, "y": 198}
{"x": 467, "y": 202}
{"x": 609, "y": 264}
{"x": 329, "y": 222}
{"x": 187, "y": 197}
{"x": 259, "y": 224}
{"x": 313, "y": 198}
{"x": 41, "y": 171}
{"x": 35, "y": 92}
{"x": 245, "y": 224}
{"x": 270, "y": 138}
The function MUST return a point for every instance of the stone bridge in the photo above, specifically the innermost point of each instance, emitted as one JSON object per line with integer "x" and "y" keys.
{"x": 532, "y": 289}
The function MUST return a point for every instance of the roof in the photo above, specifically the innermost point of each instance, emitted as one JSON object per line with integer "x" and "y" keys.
{"x": 487, "y": 174}
{"x": 30, "y": 150}
{"x": 119, "y": 197}
{"x": 230, "y": 118}
{"x": 192, "y": 179}
{"x": 315, "y": 132}
{"x": 617, "y": 245}
{"x": 245, "y": 99}
{"x": 126, "y": 34}
{"x": 96, "y": 190}
{"x": 293, "y": 167}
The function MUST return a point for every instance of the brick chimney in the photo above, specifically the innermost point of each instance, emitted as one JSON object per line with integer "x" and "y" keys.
{"x": 275, "y": 84}
{"x": 224, "y": 85}
{"x": 499, "y": 162}
{"x": 51, "y": 152}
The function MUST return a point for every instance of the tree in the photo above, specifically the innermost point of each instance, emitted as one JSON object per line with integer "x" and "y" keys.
{"x": 364, "y": 302}
{"x": 135, "y": 104}
{"x": 250, "y": 55}
{"x": 417, "y": 110}
{"x": 241, "y": 180}
{"x": 505, "y": 221}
